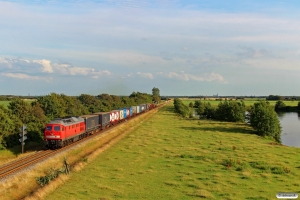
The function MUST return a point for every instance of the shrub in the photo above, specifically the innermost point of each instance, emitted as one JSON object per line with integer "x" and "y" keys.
{"x": 231, "y": 111}
{"x": 264, "y": 120}
{"x": 181, "y": 109}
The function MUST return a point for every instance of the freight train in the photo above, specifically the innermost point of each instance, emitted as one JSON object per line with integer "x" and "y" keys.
{"x": 61, "y": 132}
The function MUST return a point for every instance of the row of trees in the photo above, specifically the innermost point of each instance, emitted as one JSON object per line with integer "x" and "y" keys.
{"x": 37, "y": 113}
{"x": 262, "y": 116}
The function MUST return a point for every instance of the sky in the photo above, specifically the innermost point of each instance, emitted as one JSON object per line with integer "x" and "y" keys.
{"x": 182, "y": 47}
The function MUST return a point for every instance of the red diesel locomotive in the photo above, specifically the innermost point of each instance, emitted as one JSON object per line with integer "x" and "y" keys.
{"x": 62, "y": 131}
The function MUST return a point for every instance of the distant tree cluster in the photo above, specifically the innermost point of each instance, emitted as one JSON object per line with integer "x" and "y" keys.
{"x": 275, "y": 97}
{"x": 281, "y": 107}
{"x": 3, "y": 98}
{"x": 36, "y": 114}
{"x": 231, "y": 111}
{"x": 263, "y": 117}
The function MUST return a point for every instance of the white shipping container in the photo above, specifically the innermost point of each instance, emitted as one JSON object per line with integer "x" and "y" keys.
{"x": 121, "y": 115}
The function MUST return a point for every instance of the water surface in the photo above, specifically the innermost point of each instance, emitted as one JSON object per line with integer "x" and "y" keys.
{"x": 290, "y": 123}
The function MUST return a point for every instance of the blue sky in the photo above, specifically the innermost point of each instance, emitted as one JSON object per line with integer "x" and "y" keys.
{"x": 182, "y": 47}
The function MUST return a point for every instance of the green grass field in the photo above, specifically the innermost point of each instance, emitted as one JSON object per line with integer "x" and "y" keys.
{"x": 6, "y": 103}
{"x": 173, "y": 158}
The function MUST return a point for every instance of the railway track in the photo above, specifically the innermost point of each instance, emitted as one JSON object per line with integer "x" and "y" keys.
{"x": 24, "y": 163}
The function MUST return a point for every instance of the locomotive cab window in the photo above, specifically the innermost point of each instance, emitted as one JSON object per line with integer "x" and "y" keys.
{"x": 57, "y": 128}
{"x": 49, "y": 128}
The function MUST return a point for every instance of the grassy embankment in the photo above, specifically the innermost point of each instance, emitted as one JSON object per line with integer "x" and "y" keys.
{"x": 171, "y": 158}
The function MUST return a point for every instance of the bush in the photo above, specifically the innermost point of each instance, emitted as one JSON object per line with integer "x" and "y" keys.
{"x": 209, "y": 111}
{"x": 279, "y": 105}
{"x": 264, "y": 120}
{"x": 181, "y": 109}
{"x": 231, "y": 111}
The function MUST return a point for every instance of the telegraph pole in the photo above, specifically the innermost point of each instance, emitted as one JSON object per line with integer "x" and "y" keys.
{"x": 23, "y": 136}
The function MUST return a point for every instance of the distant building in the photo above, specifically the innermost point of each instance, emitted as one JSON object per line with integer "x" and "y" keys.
{"x": 216, "y": 96}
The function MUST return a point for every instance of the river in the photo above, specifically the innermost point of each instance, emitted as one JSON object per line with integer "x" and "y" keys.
{"x": 290, "y": 123}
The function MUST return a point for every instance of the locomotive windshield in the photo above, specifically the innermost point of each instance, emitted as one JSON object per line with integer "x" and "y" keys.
{"x": 49, "y": 128}
{"x": 57, "y": 128}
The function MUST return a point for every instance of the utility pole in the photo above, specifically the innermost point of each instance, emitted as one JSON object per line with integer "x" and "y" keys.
{"x": 23, "y": 136}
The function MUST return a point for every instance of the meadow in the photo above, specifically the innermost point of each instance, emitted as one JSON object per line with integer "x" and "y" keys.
{"x": 168, "y": 157}
{"x": 6, "y": 103}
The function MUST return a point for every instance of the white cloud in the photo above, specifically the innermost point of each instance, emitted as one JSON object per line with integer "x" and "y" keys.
{"x": 145, "y": 75}
{"x": 189, "y": 77}
{"x": 67, "y": 69}
{"x": 18, "y": 68}
{"x": 25, "y": 76}
{"x": 46, "y": 67}
{"x": 5, "y": 62}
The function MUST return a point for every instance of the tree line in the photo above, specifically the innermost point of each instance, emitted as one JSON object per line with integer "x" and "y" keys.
{"x": 45, "y": 108}
{"x": 261, "y": 116}
{"x": 281, "y": 107}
